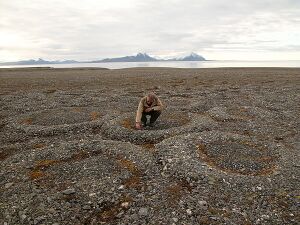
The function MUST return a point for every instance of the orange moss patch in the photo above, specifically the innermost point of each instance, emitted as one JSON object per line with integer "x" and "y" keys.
{"x": 3, "y": 155}
{"x": 203, "y": 155}
{"x": 127, "y": 123}
{"x": 133, "y": 182}
{"x": 126, "y": 198}
{"x": 43, "y": 164}
{"x": 110, "y": 212}
{"x": 27, "y": 121}
{"x": 265, "y": 159}
{"x": 94, "y": 115}
{"x": 78, "y": 156}
{"x": 205, "y": 220}
{"x": 176, "y": 191}
{"x": 179, "y": 118}
{"x": 36, "y": 174}
{"x": 148, "y": 145}
{"x": 263, "y": 172}
{"x": 129, "y": 165}
{"x": 242, "y": 113}
{"x": 38, "y": 145}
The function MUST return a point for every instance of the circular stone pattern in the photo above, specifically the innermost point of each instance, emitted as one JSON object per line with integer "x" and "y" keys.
{"x": 57, "y": 120}
{"x": 61, "y": 116}
{"x": 168, "y": 124}
{"x": 189, "y": 155}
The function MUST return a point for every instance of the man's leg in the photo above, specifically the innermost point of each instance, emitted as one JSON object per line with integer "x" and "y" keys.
{"x": 144, "y": 119}
{"x": 154, "y": 116}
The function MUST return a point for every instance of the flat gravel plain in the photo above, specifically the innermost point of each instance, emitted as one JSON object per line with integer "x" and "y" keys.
{"x": 225, "y": 149}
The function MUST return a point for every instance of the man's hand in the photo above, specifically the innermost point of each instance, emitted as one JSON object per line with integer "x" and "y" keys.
{"x": 148, "y": 109}
{"x": 138, "y": 125}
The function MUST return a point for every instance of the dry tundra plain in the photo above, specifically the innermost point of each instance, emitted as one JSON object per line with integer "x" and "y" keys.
{"x": 224, "y": 151}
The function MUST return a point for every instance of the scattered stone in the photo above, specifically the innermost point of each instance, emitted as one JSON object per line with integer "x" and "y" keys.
{"x": 143, "y": 211}
{"x": 125, "y": 204}
{"x": 203, "y": 204}
{"x": 259, "y": 188}
{"x": 86, "y": 207}
{"x": 8, "y": 185}
{"x": 69, "y": 191}
{"x": 175, "y": 219}
{"x": 121, "y": 187}
{"x": 210, "y": 143}
{"x": 189, "y": 212}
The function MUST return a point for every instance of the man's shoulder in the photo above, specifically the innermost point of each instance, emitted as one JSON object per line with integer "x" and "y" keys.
{"x": 143, "y": 99}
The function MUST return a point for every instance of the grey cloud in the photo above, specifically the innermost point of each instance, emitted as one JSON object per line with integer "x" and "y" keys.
{"x": 94, "y": 30}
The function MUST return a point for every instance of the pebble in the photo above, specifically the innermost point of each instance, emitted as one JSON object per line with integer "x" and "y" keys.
{"x": 189, "y": 212}
{"x": 69, "y": 191}
{"x": 265, "y": 217}
{"x": 259, "y": 188}
{"x": 121, "y": 187}
{"x": 203, "y": 204}
{"x": 8, "y": 185}
{"x": 125, "y": 204}
{"x": 86, "y": 207}
{"x": 143, "y": 212}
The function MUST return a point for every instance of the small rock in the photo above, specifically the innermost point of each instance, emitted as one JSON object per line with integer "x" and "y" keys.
{"x": 265, "y": 217}
{"x": 86, "y": 207}
{"x": 203, "y": 204}
{"x": 38, "y": 220}
{"x": 69, "y": 191}
{"x": 189, "y": 212}
{"x": 52, "y": 210}
{"x": 134, "y": 217}
{"x": 125, "y": 204}
{"x": 121, "y": 187}
{"x": 143, "y": 212}
{"x": 120, "y": 214}
{"x": 8, "y": 185}
{"x": 175, "y": 219}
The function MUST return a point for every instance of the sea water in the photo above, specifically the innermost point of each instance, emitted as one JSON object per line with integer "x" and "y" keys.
{"x": 174, "y": 64}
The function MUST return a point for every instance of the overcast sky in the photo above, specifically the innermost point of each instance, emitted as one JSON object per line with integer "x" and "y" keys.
{"x": 95, "y": 29}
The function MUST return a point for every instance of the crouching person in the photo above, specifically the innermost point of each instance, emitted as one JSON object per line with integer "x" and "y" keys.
{"x": 149, "y": 105}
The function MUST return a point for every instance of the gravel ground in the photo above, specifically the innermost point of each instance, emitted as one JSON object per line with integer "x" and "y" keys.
{"x": 224, "y": 151}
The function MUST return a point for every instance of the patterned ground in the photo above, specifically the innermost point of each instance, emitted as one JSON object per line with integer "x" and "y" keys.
{"x": 224, "y": 151}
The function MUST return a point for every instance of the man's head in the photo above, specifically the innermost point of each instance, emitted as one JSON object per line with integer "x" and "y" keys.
{"x": 150, "y": 98}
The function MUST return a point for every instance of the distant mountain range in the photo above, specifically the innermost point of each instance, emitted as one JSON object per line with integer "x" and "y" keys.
{"x": 37, "y": 62}
{"x": 140, "y": 57}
